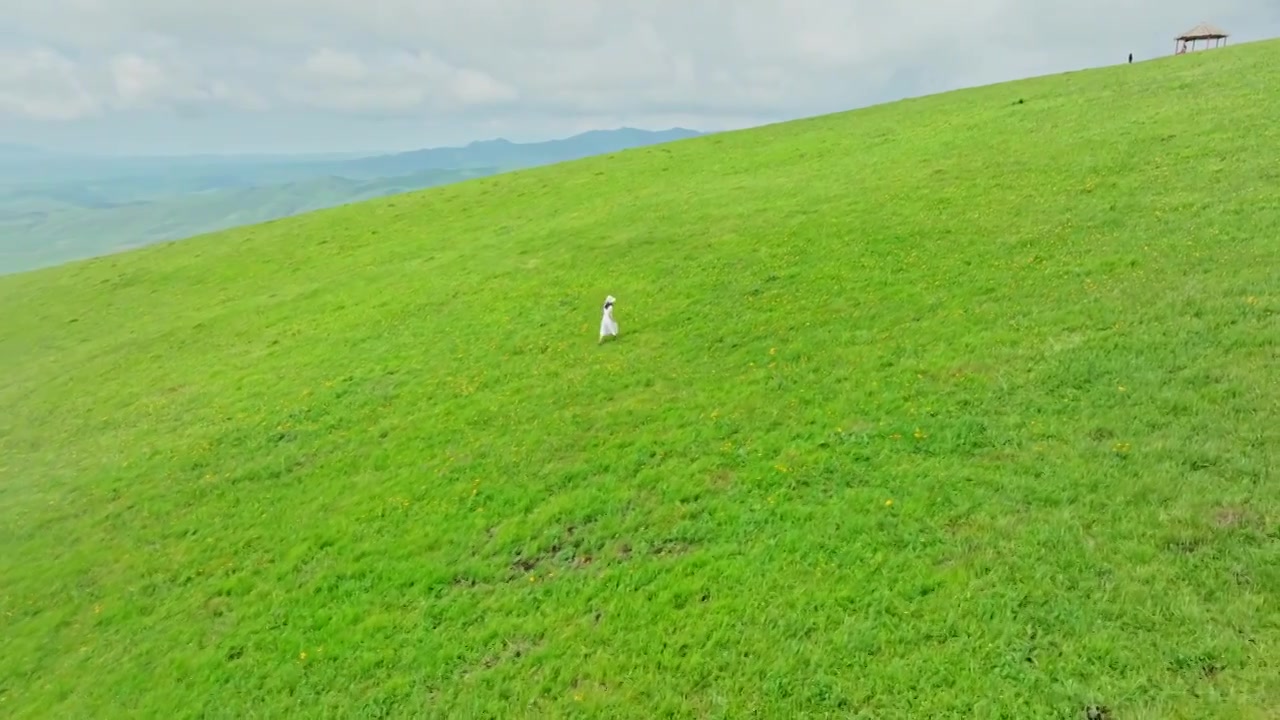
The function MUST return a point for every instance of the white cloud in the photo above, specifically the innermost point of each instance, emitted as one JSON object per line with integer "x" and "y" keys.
{"x": 141, "y": 83}
{"x": 469, "y": 63}
{"x": 450, "y": 86}
{"x": 473, "y": 87}
{"x": 390, "y": 83}
{"x": 137, "y": 79}
{"x": 42, "y": 84}
{"x": 336, "y": 66}
{"x": 221, "y": 92}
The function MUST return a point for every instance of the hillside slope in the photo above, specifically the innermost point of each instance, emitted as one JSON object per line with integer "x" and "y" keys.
{"x": 960, "y": 406}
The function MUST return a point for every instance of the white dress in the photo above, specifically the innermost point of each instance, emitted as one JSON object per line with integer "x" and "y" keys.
{"x": 608, "y": 326}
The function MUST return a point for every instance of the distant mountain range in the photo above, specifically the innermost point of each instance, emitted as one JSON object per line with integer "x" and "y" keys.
{"x": 506, "y": 154}
{"x": 56, "y": 207}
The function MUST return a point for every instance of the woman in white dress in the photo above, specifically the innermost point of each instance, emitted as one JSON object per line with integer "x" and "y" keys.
{"x": 608, "y": 326}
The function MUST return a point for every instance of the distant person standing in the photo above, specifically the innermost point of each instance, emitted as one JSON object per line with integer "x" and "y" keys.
{"x": 608, "y": 326}
{"x": 1130, "y": 58}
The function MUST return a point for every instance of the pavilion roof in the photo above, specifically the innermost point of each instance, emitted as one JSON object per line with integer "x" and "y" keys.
{"x": 1203, "y": 31}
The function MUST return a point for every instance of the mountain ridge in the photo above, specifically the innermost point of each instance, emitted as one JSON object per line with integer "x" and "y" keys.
{"x": 55, "y": 208}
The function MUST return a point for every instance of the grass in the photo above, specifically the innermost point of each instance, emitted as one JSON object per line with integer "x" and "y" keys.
{"x": 963, "y": 406}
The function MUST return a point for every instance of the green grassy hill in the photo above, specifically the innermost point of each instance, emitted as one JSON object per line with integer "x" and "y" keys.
{"x": 963, "y": 406}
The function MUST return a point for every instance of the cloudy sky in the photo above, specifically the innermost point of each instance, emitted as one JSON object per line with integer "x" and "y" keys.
{"x": 176, "y": 76}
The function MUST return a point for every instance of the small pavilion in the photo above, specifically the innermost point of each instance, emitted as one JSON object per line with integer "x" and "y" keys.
{"x": 1212, "y": 36}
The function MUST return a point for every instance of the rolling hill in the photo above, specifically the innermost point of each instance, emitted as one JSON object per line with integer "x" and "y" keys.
{"x": 56, "y": 207}
{"x": 959, "y": 406}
